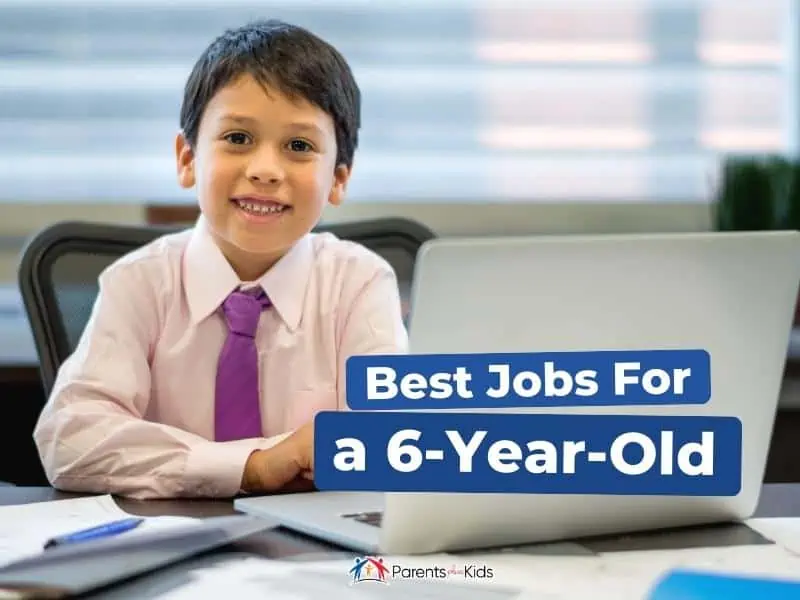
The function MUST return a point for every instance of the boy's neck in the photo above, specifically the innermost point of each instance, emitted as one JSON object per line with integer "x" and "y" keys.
{"x": 249, "y": 267}
{"x": 251, "y": 272}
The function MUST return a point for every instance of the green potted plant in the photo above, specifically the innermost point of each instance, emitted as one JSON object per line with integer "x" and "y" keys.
{"x": 758, "y": 193}
{"x": 790, "y": 217}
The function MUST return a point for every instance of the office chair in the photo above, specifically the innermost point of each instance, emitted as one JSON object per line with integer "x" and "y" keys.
{"x": 60, "y": 266}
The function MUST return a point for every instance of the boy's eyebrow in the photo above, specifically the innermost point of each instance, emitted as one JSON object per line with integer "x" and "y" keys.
{"x": 305, "y": 126}
{"x": 244, "y": 120}
{"x": 297, "y": 125}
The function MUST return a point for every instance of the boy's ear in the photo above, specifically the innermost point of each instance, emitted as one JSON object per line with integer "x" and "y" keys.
{"x": 185, "y": 161}
{"x": 340, "y": 178}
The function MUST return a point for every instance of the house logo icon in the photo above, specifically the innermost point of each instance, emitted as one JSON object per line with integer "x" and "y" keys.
{"x": 369, "y": 568}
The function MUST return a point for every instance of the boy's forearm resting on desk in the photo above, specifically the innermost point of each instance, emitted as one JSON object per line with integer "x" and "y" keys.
{"x": 84, "y": 450}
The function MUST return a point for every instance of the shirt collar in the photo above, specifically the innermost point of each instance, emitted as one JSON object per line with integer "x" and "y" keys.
{"x": 209, "y": 278}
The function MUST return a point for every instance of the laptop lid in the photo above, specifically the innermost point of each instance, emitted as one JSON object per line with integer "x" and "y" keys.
{"x": 732, "y": 294}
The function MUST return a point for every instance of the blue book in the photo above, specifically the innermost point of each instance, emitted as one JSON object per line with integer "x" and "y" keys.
{"x": 696, "y": 585}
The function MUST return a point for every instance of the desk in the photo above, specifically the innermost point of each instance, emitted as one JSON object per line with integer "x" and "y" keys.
{"x": 777, "y": 500}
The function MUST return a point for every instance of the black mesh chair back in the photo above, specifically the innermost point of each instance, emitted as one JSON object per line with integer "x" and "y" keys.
{"x": 60, "y": 266}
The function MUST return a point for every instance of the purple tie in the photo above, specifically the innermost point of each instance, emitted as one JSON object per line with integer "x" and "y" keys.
{"x": 237, "y": 410}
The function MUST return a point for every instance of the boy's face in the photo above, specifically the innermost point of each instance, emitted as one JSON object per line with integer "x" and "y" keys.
{"x": 264, "y": 167}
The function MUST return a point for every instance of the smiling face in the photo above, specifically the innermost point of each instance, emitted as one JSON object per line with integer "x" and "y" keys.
{"x": 264, "y": 167}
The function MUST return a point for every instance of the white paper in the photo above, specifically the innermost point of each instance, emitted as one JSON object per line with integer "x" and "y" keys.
{"x": 25, "y": 528}
{"x": 785, "y": 531}
{"x": 632, "y": 575}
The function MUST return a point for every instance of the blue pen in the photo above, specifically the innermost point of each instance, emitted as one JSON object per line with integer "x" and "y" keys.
{"x": 94, "y": 533}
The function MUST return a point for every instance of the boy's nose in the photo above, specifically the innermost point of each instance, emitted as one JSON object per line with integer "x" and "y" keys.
{"x": 265, "y": 167}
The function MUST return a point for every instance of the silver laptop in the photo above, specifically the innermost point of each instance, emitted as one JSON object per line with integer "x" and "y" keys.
{"x": 732, "y": 294}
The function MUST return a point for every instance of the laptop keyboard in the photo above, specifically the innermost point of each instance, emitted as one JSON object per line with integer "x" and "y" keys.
{"x": 368, "y": 518}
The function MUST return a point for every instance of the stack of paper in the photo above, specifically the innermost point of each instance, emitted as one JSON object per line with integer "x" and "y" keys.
{"x": 24, "y": 529}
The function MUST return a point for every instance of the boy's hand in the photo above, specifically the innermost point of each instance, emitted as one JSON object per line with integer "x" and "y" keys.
{"x": 303, "y": 442}
{"x": 287, "y": 466}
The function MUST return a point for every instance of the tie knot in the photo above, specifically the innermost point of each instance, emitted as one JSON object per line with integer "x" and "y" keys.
{"x": 243, "y": 309}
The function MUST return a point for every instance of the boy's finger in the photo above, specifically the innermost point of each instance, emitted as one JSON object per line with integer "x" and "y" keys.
{"x": 299, "y": 484}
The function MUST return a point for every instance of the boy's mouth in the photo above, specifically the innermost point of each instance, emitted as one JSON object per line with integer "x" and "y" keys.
{"x": 259, "y": 207}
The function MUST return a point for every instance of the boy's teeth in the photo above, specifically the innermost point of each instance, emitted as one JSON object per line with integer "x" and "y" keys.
{"x": 260, "y": 209}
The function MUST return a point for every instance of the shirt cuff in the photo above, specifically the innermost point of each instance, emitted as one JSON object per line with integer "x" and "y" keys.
{"x": 267, "y": 443}
{"x": 215, "y": 470}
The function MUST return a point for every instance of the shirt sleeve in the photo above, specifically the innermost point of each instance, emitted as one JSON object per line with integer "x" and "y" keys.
{"x": 92, "y": 435}
{"x": 373, "y": 325}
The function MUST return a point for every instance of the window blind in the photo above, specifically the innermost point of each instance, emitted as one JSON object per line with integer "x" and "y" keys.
{"x": 473, "y": 100}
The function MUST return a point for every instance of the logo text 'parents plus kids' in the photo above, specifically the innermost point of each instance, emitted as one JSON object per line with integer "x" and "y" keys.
{"x": 598, "y": 378}
{"x": 375, "y": 569}
{"x": 527, "y": 453}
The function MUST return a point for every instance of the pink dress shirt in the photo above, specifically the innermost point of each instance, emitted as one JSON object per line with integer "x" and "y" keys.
{"x": 132, "y": 410}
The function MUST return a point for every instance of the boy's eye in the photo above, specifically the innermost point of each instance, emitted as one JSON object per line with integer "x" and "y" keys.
{"x": 299, "y": 146}
{"x": 237, "y": 138}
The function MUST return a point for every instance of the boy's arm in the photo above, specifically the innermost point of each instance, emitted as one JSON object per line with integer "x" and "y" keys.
{"x": 92, "y": 436}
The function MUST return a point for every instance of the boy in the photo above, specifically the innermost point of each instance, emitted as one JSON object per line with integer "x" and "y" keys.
{"x": 209, "y": 352}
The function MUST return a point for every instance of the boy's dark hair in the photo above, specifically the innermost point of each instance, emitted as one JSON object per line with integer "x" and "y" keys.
{"x": 287, "y": 58}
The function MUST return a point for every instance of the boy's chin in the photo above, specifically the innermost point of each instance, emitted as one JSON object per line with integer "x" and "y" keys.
{"x": 268, "y": 245}
{"x": 263, "y": 249}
